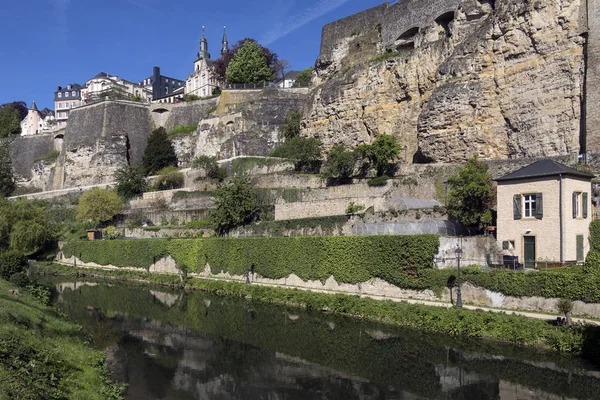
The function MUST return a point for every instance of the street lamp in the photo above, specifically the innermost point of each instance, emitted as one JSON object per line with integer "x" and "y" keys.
{"x": 458, "y": 253}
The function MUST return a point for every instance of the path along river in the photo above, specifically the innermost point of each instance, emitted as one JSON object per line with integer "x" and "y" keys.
{"x": 180, "y": 345}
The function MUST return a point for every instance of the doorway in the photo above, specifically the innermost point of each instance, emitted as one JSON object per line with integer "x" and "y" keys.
{"x": 529, "y": 251}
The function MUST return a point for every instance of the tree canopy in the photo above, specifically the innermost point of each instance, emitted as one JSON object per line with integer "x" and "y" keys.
{"x": 249, "y": 65}
{"x": 303, "y": 77}
{"x": 10, "y": 120}
{"x": 159, "y": 152}
{"x": 471, "y": 194}
{"x": 25, "y": 226}
{"x": 304, "y": 152}
{"x": 380, "y": 154}
{"x": 235, "y": 202}
{"x": 7, "y": 180}
{"x": 98, "y": 205}
{"x": 291, "y": 125}
{"x": 340, "y": 163}
{"x": 223, "y": 62}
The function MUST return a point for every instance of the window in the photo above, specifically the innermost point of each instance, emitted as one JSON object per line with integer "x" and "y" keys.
{"x": 580, "y": 205}
{"x": 66, "y": 94}
{"x": 73, "y": 93}
{"x": 74, "y": 104}
{"x": 59, "y": 95}
{"x": 508, "y": 245}
{"x": 59, "y": 105}
{"x": 530, "y": 205}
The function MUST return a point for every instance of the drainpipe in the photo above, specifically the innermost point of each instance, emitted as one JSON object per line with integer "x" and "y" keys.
{"x": 560, "y": 216}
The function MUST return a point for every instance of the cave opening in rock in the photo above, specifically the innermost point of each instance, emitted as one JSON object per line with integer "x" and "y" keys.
{"x": 444, "y": 21}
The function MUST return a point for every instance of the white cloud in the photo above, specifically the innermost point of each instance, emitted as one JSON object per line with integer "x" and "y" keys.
{"x": 143, "y": 5}
{"x": 299, "y": 19}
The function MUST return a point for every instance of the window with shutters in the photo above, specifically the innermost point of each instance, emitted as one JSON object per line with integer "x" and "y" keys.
{"x": 580, "y": 205}
{"x": 529, "y": 202}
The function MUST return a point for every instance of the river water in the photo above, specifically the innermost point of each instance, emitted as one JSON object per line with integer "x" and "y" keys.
{"x": 175, "y": 345}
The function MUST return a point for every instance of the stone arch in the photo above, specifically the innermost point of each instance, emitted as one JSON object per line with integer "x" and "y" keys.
{"x": 160, "y": 110}
{"x": 407, "y": 39}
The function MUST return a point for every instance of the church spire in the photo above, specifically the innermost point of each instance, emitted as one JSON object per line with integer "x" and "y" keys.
{"x": 203, "y": 53}
{"x": 225, "y": 43}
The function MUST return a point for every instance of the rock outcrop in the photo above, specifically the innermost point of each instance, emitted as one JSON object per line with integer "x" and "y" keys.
{"x": 500, "y": 79}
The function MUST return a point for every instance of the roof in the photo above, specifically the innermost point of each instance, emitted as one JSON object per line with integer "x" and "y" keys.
{"x": 544, "y": 168}
{"x": 101, "y": 75}
{"x": 291, "y": 75}
{"x": 33, "y": 106}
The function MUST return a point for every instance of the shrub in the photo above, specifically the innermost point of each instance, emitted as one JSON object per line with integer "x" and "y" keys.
{"x": 182, "y": 130}
{"x": 216, "y": 91}
{"x": 50, "y": 157}
{"x": 190, "y": 97}
{"x": 304, "y": 152}
{"x": 595, "y": 236}
{"x": 354, "y": 208}
{"x": 210, "y": 166}
{"x": 378, "y": 181}
{"x": 340, "y": 163}
{"x": 291, "y": 125}
{"x": 235, "y": 203}
{"x": 304, "y": 77}
{"x": 12, "y": 262}
{"x": 380, "y": 154}
{"x": 130, "y": 182}
{"x": 20, "y": 279}
{"x": 169, "y": 178}
{"x": 111, "y": 233}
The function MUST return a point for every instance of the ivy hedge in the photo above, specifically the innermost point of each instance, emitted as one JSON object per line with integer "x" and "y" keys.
{"x": 350, "y": 259}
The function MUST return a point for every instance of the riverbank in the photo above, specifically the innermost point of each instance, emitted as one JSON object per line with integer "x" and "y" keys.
{"x": 581, "y": 340}
{"x": 42, "y": 355}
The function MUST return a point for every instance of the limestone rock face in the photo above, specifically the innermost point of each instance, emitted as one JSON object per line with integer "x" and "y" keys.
{"x": 244, "y": 123}
{"x": 499, "y": 79}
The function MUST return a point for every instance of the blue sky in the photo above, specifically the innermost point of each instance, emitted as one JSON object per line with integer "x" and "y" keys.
{"x": 47, "y": 43}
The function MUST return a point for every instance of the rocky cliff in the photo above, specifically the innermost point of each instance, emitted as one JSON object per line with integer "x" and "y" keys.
{"x": 501, "y": 79}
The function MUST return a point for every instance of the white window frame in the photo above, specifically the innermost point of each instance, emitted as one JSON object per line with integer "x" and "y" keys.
{"x": 73, "y": 94}
{"x": 578, "y": 208}
{"x": 74, "y": 104}
{"x": 66, "y": 94}
{"x": 59, "y": 95}
{"x": 529, "y": 200}
{"x": 59, "y": 105}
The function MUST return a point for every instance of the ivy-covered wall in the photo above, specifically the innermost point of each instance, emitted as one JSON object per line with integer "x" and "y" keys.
{"x": 349, "y": 259}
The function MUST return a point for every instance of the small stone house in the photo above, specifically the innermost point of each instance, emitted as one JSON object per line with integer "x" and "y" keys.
{"x": 544, "y": 213}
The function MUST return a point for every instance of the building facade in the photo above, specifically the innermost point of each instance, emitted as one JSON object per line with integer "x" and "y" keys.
{"x": 544, "y": 213}
{"x": 288, "y": 80}
{"x": 65, "y": 99}
{"x": 162, "y": 87}
{"x": 104, "y": 84}
{"x": 203, "y": 80}
{"x": 37, "y": 122}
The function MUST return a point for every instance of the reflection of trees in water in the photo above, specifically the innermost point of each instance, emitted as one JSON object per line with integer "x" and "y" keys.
{"x": 202, "y": 345}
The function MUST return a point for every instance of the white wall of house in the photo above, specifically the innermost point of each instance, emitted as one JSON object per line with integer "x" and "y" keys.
{"x": 547, "y": 229}
{"x": 202, "y": 81}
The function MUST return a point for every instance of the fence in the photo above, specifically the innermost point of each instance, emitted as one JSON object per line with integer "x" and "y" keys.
{"x": 263, "y": 85}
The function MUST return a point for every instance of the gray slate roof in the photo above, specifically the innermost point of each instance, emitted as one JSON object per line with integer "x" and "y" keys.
{"x": 544, "y": 168}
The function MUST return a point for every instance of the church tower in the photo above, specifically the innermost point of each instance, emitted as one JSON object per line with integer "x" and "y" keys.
{"x": 203, "y": 53}
{"x": 225, "y": 43}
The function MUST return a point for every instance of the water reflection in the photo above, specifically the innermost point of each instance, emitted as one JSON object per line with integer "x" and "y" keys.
{"x": 174, "y": 345}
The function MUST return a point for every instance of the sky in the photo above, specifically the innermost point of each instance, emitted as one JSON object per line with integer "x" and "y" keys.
{"x": 50, "y": 43}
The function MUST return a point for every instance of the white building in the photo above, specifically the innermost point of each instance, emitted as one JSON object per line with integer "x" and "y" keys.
{"x": 37, "y": 121}
{"x": 203, "y": 80}
{"x": 104, "y": 84}
{"x": 288, "y": 80}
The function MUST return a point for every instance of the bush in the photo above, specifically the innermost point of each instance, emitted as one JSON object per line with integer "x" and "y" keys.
{"x": 595, "y": 236}
{"x": 111, "y": 233}
{"x": 190, "y": 97}
{"x": 182, "y": 130}
{"x": 291, "y": 125}
{"x": 210, "y": 166}
{"x": 169, "y": 178}
{"x": 304, "y": 152}
{"x": 12, "y": 262}
{"x": 378, "y": 181}
{"x": 380, "y": 154}
{"x": 354, "y": 208}
{"x": 235, "y": 203}
{"x": 20, "y": 279}
{"x": 130, "y": 182}
{"x": 340, "y": 163}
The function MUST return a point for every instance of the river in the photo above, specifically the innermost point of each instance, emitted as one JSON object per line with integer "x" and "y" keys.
{"x": 179, "y": 345}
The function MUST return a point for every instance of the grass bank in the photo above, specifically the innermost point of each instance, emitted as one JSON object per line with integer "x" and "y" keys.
{"x": 521, "y": 331}
{"x": 44, "y": 356}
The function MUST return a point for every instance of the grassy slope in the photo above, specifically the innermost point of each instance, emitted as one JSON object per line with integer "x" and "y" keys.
{"x": 42, "y": 355}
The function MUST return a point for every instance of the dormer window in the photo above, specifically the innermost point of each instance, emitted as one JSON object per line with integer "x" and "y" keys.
{"x": 59, "y": 95}
{"x": 73, "y": 93}
{"x": 66, "y": 94}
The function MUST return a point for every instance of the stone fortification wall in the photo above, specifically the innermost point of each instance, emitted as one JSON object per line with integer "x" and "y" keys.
{"x": 170, "y": 116}
{"x": 25, "y": 150}
{"x": 101, "y": 138}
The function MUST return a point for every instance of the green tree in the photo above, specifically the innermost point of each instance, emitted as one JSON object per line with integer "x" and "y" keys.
{"x": 7, "y": 179}
{"x": 10, "y": 120}
{"x": 210, "y": 165}
{"x": 236, "y": 204}
{"x": 98, "y": 205}
{"x": 380, "y": 154}
{"x": 12, "y": 262}
{"x": 471, "y": 194}
{"x": 25, "y": 226}
{"x": 130, "y": 182}
{"x": 159, "y": 152}
{"x": 169, "y": 178}
{"x": 249, "y": 65}
{"x": 291, "y": 125}
{"x": 340, "y": 163}
{"x": 303, "y": 77}
{"x": 304, "y": 152}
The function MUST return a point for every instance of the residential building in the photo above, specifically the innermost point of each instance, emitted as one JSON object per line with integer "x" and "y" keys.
{"x": 203, "y": 80}
{"x": 104, "y": 84}
{"x": 65, "y": 99}
{"x": 544, "y": 213}
{"x": 288, "y": 79}
{"x": 37, "y": 121}
{"x": 163, "y": 88}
